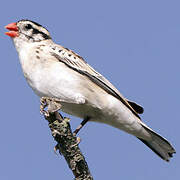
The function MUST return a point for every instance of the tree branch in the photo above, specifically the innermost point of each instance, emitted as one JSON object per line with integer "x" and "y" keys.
{"x": 68, "y": 146}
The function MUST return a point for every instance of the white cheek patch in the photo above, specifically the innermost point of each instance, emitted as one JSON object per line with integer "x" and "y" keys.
{"x": 38, "y": 37}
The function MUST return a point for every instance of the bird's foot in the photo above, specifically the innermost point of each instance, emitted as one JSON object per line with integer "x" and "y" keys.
{"x": 78, "y": 140}
{"x": 56, "y": 147}
{"x": 52, "y": 104}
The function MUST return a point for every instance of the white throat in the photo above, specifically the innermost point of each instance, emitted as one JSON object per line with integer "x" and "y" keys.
{"x": 19, "y": 43}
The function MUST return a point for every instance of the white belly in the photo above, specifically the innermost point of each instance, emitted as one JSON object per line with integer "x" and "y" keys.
{"x": 78, "y": 95}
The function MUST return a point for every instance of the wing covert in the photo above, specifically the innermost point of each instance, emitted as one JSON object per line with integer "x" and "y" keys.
{"x": 78, "y": 64}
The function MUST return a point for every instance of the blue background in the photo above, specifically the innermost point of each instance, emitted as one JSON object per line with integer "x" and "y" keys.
{"x": 134, "y": 44}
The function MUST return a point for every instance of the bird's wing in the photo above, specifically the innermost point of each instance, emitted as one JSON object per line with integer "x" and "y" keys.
{"x": 78, "y": 64}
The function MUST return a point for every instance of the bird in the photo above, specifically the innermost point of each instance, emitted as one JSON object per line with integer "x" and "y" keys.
{"x": 57, "y": 72}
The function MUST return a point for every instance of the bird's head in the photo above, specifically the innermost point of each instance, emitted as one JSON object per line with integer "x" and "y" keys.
{"x": 28, "y": 31}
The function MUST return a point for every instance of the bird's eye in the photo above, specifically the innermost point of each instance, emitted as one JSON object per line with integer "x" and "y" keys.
{"x": 28, "y": 26}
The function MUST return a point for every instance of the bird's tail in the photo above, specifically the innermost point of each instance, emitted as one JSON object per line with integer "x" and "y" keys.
{"x": 158, "y": 144}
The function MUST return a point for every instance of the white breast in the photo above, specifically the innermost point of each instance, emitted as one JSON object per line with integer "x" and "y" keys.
{"x": 78, "y": 95}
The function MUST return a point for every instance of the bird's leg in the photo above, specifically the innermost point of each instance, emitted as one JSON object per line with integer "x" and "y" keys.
{"x": 85, "y": 120}
{"x": 52, "y": 104}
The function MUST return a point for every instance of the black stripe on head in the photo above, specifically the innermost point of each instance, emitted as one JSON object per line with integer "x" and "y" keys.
{"x": 36, "y": 31}
{"x": 31, "y": 21}
{"x": 37, "y": 24}
{"x": 45, "y": 36}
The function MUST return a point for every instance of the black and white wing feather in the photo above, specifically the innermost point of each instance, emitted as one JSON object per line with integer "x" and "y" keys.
{"x": 77, "y": 63}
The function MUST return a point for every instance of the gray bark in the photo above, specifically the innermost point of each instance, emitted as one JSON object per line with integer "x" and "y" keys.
{"x": 67, "y": 144}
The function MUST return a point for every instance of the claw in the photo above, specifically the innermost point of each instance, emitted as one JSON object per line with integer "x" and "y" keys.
{"x": 43, "y": 106}
{"x": 56, "y": 148}
{"x": 78, "y": 140}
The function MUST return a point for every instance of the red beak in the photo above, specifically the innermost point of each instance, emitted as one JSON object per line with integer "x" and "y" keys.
{"x": 13, "y": 30}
